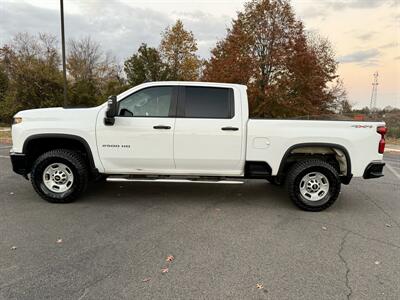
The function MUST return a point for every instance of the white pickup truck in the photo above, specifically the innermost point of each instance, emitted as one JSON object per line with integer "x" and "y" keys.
{"x": 191, "y": 132}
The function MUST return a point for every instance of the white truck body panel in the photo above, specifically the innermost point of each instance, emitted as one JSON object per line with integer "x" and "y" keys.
{"x": 143, "y": 149}
{"x": 201, "y": 147}
{"x": 79, "y": 122}
{"x": 268, "y": 140}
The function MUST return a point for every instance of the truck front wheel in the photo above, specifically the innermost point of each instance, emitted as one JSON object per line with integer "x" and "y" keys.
{"x": 313, "y": 184}
{"x": 59, "y": 176}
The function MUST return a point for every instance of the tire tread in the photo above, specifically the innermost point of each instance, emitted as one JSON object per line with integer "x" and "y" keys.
{"x": 299, "y": 167}
{"x": 76, "y": 159}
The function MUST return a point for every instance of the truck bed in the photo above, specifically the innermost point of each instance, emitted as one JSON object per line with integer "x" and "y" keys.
{"x": 269, "y": 140}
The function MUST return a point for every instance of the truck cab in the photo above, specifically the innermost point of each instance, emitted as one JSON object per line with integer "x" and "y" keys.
{"x": 196, "y": 129}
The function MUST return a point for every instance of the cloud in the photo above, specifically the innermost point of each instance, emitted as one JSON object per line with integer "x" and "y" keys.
{"x": 364, "y": 57}
{"x": 366, "y": 36}
{"x": 357, "y": 4}
{"x": 206, "y": 28}
{"x": 321, "y": 9}
{"x": 122, "y": 33}
{"x": 389, "y": 45}
{"x": 313, "y": 12}
{"x": 119, "y": 28}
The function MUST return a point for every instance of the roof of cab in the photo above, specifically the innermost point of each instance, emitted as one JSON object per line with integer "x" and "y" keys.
{"x": 191, "y": 83}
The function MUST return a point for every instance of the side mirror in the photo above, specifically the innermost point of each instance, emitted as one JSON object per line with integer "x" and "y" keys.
{"x": 112, "y": 110}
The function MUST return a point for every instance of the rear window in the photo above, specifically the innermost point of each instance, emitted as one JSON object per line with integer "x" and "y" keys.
{"x": 209, "y": 102}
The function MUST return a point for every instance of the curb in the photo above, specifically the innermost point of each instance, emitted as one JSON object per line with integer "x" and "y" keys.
{"x": 392, "y": 150}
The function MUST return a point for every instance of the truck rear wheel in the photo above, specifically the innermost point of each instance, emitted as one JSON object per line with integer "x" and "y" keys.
{"x": 313, "y": 184}
{"x": 59, "y": 176}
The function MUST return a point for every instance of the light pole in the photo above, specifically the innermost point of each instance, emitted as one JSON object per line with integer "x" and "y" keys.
{"x": 63, "y": 51}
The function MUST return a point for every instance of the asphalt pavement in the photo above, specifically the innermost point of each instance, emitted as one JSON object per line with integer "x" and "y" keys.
{"x": 227, "y": 241}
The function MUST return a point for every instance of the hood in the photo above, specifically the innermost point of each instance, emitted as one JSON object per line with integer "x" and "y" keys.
{"x": 57, "y": 113}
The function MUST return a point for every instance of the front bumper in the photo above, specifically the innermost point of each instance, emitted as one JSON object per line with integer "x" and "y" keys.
{"x": 374, "y": 170}
{"x": 19, "y": 163}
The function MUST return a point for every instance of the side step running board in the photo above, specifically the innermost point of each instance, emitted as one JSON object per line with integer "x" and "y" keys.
{"x": 125, "y": 179}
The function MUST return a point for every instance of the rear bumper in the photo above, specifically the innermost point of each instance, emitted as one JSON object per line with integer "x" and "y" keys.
{"x": 374, "y": 170}
{"x": 19, "y": 163}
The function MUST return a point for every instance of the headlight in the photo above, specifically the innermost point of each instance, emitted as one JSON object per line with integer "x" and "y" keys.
{"x": 17, "y": 120}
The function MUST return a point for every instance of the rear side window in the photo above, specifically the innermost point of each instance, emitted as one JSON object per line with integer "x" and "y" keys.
{"x": 208, "y": 102}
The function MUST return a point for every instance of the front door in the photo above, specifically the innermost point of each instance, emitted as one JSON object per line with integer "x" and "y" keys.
{"x": 141, "y": 140}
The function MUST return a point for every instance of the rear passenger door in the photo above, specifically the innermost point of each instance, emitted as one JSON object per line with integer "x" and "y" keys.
{"x": 208, "y": 131}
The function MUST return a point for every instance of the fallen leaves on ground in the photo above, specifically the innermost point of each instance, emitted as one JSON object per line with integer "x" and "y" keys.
{"x": 169, "y": 258}
{"x": 324, "y": 228}
{"x": 164, "y": 270}
{"x": 388, "y": 225}
{"x": 13, "y": 248}
{"x": 259, "y": 286}
{"x": 377, "y": 262}
{"x": 146, "y": 279}
{"x": 59, "y": 241}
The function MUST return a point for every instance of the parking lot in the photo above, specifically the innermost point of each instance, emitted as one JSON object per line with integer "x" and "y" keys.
{"x": 227, "y": 241}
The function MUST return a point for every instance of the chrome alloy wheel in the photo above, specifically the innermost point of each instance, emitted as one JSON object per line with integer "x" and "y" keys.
{"x": 314, "y": 186}
{"x": 58, "y": 178}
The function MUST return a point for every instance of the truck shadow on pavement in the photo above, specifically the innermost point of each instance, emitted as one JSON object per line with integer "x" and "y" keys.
{"x": 258, "y": 192}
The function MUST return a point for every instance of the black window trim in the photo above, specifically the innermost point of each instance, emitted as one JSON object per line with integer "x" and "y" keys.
{"x": 182, "y": 102}
{"x": 173, "y": 106}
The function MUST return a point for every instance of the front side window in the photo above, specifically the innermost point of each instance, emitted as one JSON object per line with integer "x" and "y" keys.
{"x": 208, "y": 102}
{"x": 149, "y": 102}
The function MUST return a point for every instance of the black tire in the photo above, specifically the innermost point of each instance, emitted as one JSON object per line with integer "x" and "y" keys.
{"x": 74, "y": 161}
{"x": 301, "y": 169}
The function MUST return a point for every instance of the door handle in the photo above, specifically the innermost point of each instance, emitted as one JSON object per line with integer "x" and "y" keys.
{"x": 230, "y": 128}
{"x": 161, "y": 127}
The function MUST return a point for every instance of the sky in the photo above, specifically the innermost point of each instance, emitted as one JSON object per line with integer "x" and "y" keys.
{"x": 365, "y": 34}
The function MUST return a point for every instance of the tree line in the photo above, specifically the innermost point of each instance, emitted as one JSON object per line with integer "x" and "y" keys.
{"x": 288, "y": 71}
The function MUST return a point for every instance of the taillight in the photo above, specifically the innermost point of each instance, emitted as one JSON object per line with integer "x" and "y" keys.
{"x": 382, "y": 130}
